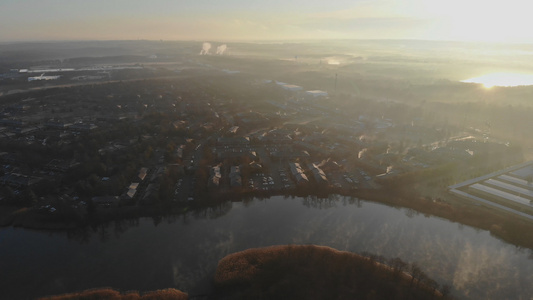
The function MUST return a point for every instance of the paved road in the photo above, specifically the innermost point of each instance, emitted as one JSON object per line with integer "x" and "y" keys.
{"x": 47, "y": 87}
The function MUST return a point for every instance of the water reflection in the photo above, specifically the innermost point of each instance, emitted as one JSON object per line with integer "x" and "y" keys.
{"x": 183, "y": 251}
{"x": 502, "y": 79}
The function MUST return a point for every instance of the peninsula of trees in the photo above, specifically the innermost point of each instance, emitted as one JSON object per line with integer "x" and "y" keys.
{"x": 317, "y": 272}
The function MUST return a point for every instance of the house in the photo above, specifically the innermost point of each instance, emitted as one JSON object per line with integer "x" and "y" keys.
{"x": 236, "y": 153}
{"x": 58, "y": 165}
{"x": 142, "y": 173}
{"x": 19, "y": 180}
{"x": 290, "y": 87}
{"x": 233, "y": 141}
{"x": 233, "y": 130}
{"x": 214, "y": 179}
{"x": 105, "y": 200}
{"x": 150, "y": 196}
{"x": 318, "y": 174}
{"x": 235, "y": 176}
{"x": 57, "y": 125}
{"x": 298, "y": 173}
{"x": 316, "y": 93}
{"x": 83, "y": 127}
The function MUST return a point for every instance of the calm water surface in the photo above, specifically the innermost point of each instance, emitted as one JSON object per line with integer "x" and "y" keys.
{"x": 502, "y": 79}
{"x": 183, "y": 251}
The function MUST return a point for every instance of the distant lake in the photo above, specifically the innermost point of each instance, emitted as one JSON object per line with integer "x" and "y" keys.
{"x": 183, "y": 251}
{"x": 502, "y": 79}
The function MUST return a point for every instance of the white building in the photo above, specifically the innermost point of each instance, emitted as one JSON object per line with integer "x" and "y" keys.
{"x": 291, "y": 87}
{"x": 317, "y": 93}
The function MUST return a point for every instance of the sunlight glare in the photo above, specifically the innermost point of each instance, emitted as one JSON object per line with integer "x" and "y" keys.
{"x": 502, "y": 79}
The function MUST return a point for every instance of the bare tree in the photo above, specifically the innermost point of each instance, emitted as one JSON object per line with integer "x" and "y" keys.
{"x": 416, "y": 273}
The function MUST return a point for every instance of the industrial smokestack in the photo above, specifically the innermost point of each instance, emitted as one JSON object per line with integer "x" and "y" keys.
{"x": 335, "y": 84}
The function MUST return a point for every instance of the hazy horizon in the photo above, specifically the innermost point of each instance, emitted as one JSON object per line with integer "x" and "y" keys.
{"x": 238, "y": 20}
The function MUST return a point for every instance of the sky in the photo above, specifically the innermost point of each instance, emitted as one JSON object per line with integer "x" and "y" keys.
{"x": 228, "y": 20}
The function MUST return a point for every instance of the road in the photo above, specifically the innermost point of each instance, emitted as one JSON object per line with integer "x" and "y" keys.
{"x": 47, "y": 87}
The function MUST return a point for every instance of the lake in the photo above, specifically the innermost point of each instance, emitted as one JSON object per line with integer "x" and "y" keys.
{"x": 183, "y": 251}
{"x": 502, "y": 79}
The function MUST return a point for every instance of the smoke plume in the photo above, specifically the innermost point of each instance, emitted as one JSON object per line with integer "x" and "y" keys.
{"x": 205, "y": 48}
{"x": 221, "y": 49}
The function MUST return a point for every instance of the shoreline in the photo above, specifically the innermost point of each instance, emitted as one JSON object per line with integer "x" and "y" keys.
{"x": 498, "y": 223}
